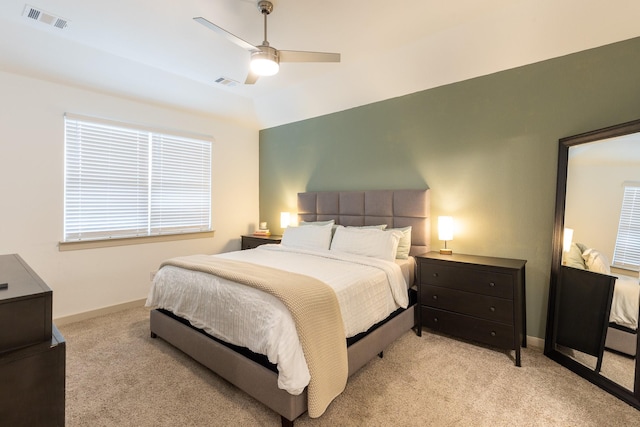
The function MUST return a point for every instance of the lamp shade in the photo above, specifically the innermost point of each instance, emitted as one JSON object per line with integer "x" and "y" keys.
{"x": 567, "y": 238}
{"x": 445, "y": 228}
{"x": 285, "y": 218}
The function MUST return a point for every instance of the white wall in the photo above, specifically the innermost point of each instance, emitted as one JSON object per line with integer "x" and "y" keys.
{"x": 31, "y": 191}
{"x": 593, "y": 202}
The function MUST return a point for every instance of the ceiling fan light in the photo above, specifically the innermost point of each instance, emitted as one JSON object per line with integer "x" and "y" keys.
{"x": 264, "y": 67}
{"x": 265, "y": 62}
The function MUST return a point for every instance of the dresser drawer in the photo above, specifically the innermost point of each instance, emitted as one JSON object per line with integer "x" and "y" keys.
{"x": 25, "y": 322}
{"x": 484, "y": 331}
{"x": 467, "y": 279}
{"x": 483, "y": 306}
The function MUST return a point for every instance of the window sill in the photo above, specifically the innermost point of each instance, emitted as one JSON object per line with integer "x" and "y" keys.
{"x": 626, "y": 271}
{"x": 94, "y": 244}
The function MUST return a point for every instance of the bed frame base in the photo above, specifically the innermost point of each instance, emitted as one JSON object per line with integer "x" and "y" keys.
{"x": 258, "y": 381}
{"x": 621, "y": 340}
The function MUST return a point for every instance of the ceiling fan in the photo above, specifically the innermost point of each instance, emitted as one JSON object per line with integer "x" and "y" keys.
{"x": 265, "y": 59}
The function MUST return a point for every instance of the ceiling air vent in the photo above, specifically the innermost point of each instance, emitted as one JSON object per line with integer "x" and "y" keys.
{"x": 225, "y": 81}
{"x": 39, "y": 15}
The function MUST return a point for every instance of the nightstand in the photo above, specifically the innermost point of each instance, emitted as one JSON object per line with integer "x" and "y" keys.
{"x": 250, "y": 241}
{"x": 475, "y": 298}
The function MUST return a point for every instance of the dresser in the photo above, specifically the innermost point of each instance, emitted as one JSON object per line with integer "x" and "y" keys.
{"x": 251, "y": 241}
{"x": 475, "y": 298}
{"x": 32, "y": 350}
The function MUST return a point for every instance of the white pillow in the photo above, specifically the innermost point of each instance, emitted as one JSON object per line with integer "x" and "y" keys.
{"x": 331, "y": 222}
{"x": 307, "y": 237}
{"x": 404, "y": 246}
{"x": 320, "y": 223}
{"x": 573, "y": 258}
{"x": 596, "y": 261}
{"x": 370, "y": 242}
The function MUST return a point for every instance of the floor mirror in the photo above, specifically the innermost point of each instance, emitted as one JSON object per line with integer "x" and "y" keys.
{"x": 594, "y": 292}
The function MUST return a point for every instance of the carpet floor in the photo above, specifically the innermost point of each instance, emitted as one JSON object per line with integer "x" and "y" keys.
{"x": 118, "y": 376}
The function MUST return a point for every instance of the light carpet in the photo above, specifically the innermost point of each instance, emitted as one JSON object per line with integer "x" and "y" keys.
{"x": 118, "y": 376}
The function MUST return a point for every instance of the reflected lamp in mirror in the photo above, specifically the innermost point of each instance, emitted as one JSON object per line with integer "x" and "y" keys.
{"x": 445, "y": 232}
{"x": 567, "y": 238}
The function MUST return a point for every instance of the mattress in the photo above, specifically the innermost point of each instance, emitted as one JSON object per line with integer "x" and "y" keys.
{"x": 625, "y": 303}
{"x": 368, "y": 290}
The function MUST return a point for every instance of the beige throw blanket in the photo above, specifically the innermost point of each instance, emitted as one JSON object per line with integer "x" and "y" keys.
{"x": 315, "y": 311}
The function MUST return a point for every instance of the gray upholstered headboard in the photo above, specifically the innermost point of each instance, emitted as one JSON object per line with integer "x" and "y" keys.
{"x": 396, "y": 208}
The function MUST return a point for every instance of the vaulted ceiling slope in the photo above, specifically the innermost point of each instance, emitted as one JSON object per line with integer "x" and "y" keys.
{"x": 153, "y": 50}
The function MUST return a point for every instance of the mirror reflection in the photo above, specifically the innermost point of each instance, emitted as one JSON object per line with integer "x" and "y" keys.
{"x": 599, "y": 292}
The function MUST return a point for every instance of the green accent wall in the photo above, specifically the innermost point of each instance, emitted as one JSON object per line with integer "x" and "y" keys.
{"x": 486, "y": 147}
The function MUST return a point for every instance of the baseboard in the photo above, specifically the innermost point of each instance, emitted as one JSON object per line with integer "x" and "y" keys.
{"x": 65, "y": 320}
{"x": 535, "y": 342}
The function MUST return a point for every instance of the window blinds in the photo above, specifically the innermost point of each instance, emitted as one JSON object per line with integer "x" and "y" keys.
{"x": 126, "y": 182}
{"x": 180, "y": 195}
{"x": 627, "y": 250}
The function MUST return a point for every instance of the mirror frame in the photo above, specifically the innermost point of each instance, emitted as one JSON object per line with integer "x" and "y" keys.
{"x": 631, "y": 397}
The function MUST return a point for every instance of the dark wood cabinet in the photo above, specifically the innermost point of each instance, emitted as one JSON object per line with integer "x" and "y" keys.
{"x": 250, "y": 241}
{"x": 476, "y": 298}
{"x": 32, "y": 390}
{"x": 32, "y": 350}
{"x": 25, "y": 305}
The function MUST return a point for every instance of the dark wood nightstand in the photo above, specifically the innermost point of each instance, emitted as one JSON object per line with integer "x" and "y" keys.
{"x": 476, "y": 298}
{"x": 250, "y": 241}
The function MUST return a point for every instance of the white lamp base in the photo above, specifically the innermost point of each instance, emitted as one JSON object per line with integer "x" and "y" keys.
{"x": 446, "y": 251}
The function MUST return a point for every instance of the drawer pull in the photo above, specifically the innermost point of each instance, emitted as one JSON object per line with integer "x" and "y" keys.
{"x": 491, "y": 284}
{"x": 435, "y": 297}
{"x": 435, "y": 320}
{"x": 493, "y": 333}
{"x": 492, "y": 308}
{"x": 435, "y": 274}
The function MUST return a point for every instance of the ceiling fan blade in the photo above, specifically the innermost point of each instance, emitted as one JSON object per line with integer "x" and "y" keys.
{"x": 226, "y": 34}
{"x": 251, "y": 78}
{"x": 302, "y": 56}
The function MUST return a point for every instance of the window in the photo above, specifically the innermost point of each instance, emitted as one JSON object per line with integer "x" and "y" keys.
{"x": 627, "y": 250}
{"x": 122, "y": 181}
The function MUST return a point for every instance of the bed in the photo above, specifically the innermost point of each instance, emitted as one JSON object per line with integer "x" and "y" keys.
{"x": 249, "y": 365}
{"x": 621, "y": 334}
{"x": 623, "y": 321}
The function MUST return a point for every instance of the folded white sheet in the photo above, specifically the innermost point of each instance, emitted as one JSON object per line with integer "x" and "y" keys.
{"x": 368, "y": 290}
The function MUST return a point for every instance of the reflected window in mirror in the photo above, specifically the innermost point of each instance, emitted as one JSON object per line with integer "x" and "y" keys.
{"x": 626, "y": 254}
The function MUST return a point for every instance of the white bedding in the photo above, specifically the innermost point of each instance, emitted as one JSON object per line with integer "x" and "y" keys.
{"x": 368, "y": 290}
{"x": 625, "y": 303}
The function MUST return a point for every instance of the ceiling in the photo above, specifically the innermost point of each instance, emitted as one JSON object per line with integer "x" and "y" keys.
{"x": 152, "y": 50}
{"x": 621, "y": 150}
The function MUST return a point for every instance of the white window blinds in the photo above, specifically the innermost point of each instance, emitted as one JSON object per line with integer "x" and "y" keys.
{"x": 180, "y": 195}
{"x": 126, "y": 182}
{"x": 627, "y": 250}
